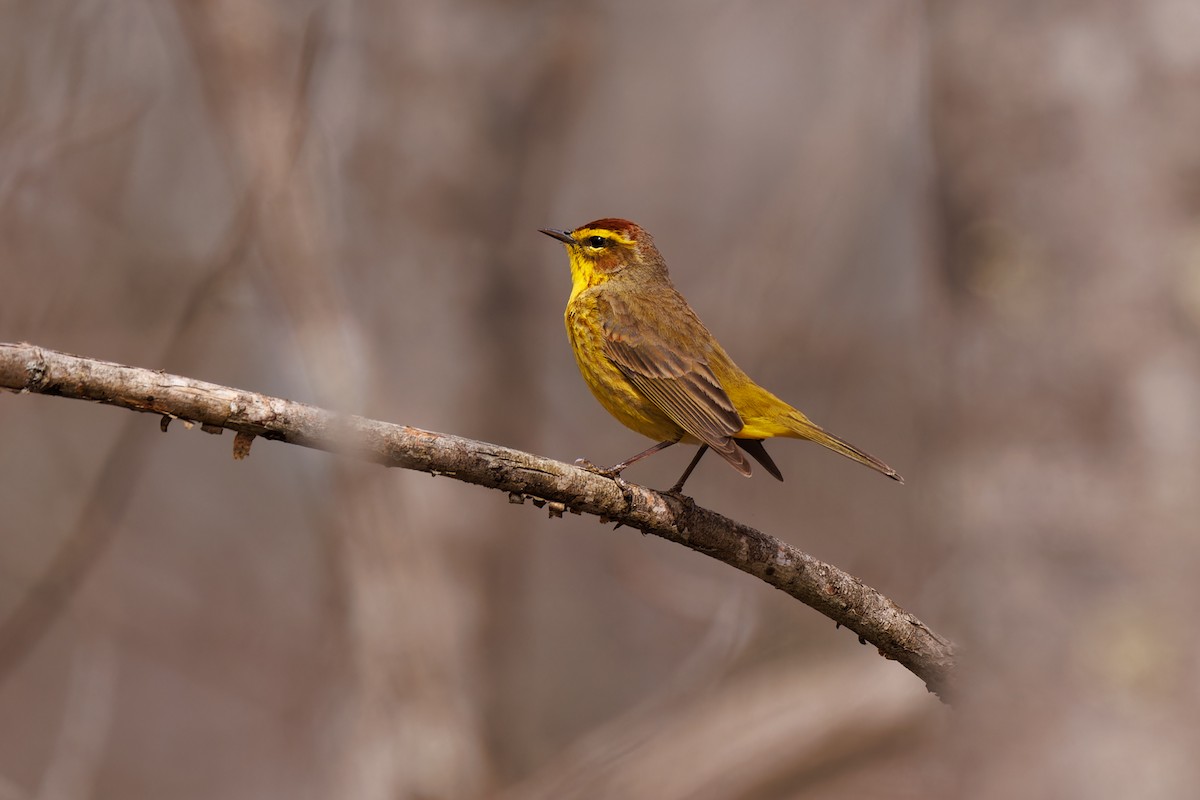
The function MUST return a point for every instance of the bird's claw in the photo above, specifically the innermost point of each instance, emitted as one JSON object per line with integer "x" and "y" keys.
{"x": 606, "y": 472}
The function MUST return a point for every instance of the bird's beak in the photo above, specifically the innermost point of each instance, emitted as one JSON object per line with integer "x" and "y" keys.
{"x": 562, "y": 236}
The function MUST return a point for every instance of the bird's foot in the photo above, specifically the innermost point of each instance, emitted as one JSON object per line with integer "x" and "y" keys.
{"x": 606, "y": 472}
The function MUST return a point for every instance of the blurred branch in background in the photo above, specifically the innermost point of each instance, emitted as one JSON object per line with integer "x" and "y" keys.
{"x": 261, "y": 72}
{"x": 839, "y": 596}
{"x": 789, "y": 725}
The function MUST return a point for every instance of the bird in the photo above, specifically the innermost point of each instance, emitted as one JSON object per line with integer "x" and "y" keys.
{"x": 654, "y": 366}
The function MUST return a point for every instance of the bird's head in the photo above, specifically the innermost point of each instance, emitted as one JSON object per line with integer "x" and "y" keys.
{"x": 606, "y": 248}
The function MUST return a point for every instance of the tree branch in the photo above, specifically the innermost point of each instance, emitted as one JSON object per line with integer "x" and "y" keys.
{"x": 841, "y": 597}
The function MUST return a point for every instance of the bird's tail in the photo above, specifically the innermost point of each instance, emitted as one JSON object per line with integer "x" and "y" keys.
{"x": 804, "y": 428}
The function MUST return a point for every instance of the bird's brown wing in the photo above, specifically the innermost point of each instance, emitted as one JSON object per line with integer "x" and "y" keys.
{"x": 670, "y": 369}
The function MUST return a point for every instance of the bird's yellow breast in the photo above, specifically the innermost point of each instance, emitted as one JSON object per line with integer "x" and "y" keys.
{"x": 608, "y": 384}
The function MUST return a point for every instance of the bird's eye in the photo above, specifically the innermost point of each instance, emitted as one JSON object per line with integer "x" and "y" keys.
{"x": 597, "y": 241}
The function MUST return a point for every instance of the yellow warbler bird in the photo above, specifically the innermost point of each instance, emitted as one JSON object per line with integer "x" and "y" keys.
{"x": 654, "y": 366}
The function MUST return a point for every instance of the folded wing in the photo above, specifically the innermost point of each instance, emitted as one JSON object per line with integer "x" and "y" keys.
{"x": 669, "y": 371}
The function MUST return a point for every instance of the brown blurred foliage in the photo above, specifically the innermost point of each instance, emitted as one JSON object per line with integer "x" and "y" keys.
{"x": 965, "y": 235}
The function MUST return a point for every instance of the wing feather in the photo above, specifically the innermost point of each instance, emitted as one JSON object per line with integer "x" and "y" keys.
{"x": 675, "y": 377}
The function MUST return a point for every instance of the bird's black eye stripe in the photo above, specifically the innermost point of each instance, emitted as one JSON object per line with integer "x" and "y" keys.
{"x": 597, "y": 241}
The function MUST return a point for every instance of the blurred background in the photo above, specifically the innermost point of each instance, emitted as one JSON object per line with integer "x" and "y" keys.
{"x": 963, "y": 235}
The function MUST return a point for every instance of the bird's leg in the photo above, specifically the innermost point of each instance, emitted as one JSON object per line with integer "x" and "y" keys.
{"x": 616, "y": 470}
{"x": 678, "y": 487}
